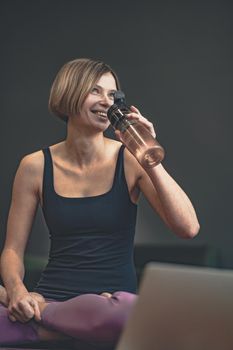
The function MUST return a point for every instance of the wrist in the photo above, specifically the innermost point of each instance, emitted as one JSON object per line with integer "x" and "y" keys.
{"x": 18, "y": 288}
{"x": 156, "y": 169}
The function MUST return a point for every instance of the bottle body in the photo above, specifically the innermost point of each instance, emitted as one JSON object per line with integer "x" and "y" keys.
{"x": 135, "y": 136}
{"x": 142, "y": 144}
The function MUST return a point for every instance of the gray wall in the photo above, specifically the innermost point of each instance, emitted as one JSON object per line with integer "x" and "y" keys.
{"x": 174, "y": 60}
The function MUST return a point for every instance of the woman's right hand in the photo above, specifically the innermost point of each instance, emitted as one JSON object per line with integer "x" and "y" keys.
{"x": 23, "y": 306}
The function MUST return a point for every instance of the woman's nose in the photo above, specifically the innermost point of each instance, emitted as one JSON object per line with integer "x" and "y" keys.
{"x": 106, "y": 100}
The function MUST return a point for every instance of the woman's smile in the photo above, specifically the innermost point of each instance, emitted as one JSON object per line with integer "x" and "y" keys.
{"x": 100, "y": 113}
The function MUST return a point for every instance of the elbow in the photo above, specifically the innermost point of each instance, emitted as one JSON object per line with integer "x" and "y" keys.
{"x": 192, "y": 232}
{"x": 188, "y": 232}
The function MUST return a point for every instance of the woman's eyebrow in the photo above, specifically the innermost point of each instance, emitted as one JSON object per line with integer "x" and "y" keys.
{"x": 101, "y": 87}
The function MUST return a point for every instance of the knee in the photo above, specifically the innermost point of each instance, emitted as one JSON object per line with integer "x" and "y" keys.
{"x": 125, "y": 299}
{"x": 109, "y": 327}
{"x": 123, "y": 303}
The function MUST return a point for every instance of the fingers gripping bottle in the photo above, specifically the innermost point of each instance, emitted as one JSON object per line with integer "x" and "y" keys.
{"x": 135, "y": 136}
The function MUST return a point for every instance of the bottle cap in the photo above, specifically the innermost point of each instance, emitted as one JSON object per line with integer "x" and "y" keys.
{"x": 119, "y": 97}
{"x": 117, "y": 111}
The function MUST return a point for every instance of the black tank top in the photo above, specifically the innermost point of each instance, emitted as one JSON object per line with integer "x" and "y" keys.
{"x": 91, "y": 238}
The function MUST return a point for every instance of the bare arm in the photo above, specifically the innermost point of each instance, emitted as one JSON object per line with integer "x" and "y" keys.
{"x": 170, "y": 201}
{"x": 166, "y": 197}
{"x": 22, "y": 211}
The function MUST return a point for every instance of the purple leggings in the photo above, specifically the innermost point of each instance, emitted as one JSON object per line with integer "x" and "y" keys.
{"x": 90, "y": 318}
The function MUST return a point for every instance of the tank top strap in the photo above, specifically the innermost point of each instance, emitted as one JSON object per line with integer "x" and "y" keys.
{"x": 48, "y": 173}
{"x": 119, "y": 178}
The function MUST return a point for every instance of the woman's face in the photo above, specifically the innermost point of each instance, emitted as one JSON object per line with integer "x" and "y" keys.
{"x": 94, "y": 109}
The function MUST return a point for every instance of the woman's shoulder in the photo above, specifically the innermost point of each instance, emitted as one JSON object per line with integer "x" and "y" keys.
{"x": 131, "y": 164}
{"x": 35, "y": 159}
{"x": 32, "y": 159}
{"x": 33, "y": 162}
{"x": 29, "y": 171}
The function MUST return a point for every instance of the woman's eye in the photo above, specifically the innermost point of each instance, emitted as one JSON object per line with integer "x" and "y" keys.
{"x": 95, "y": 90}
{"x": 111, "y": 95}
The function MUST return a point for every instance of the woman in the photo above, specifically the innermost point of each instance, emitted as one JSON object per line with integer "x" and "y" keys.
{"x": 88, "y": 186}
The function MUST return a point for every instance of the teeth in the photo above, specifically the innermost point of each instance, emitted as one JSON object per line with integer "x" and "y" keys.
{"x": 103, "y": 114}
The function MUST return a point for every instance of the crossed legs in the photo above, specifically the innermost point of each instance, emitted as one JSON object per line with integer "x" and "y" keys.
{"x": 90, "y": 317}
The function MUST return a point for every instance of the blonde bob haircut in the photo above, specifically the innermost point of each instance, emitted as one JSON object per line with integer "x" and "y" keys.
{"x": 73, "y": 83}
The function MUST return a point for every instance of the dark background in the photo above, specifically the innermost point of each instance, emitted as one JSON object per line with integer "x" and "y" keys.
{"x": 174, "y": 60}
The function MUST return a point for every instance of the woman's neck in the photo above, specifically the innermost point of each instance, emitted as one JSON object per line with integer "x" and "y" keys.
{"x": 84, "y": 147}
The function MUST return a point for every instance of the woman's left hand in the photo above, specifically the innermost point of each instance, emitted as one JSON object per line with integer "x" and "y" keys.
{"x": 136, "y": 115}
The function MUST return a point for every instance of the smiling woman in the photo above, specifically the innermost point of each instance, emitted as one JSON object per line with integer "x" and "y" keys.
{"x": 75, "y": 80}
{"x": 100, "y": 90}
{"x": 94, "y": 108}
{"x": 88, "y": 187}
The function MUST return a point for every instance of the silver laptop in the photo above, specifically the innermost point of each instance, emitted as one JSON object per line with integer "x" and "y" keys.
{"x": 181, "y": 308}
